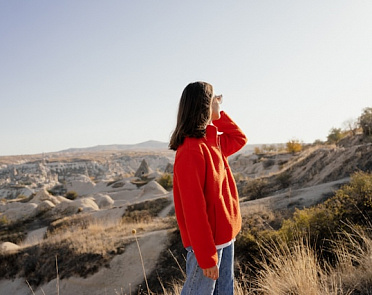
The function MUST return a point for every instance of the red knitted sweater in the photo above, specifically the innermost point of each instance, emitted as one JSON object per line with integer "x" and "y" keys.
{"x": 205, "y": 194}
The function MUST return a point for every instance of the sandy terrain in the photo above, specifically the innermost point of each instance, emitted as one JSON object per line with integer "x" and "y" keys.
{"x": 122, "y": 277}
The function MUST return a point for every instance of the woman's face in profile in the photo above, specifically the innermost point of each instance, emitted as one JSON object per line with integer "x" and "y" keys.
{"x": 215, "y": 107}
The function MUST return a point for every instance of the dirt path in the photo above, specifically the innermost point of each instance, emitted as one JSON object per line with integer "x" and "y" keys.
{"x": 166, "y": 210}
{"x": 300, "y": 198}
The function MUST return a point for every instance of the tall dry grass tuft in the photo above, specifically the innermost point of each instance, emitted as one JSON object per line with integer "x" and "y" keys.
{"x": 176, "y": 288}
{"x": 354, "y": 261}
{"x": 293, "y": 270}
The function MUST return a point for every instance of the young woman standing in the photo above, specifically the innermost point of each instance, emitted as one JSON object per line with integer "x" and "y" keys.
{"x": 205, "y": 194}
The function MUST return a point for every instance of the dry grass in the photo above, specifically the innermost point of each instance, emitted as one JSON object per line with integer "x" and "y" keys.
{"x": 285, "y": 268}
{"x": 101, "y": 236}
{"x": 295, "y": 269}
{"x": 354, "y": 256}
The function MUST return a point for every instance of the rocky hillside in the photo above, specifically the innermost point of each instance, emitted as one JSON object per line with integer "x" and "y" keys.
{"x": 313, "y": 166}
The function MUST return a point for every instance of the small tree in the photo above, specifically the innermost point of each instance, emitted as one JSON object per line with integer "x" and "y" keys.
{"x": 318, "y": 142}
{"x": 365, "y": 121}
{"x": 294, "y": 146}
{"x": 351, "y": 126}
{"x": 335, "y": 134}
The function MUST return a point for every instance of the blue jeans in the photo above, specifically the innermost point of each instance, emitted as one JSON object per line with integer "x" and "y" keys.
{"x": 197, "y": 284}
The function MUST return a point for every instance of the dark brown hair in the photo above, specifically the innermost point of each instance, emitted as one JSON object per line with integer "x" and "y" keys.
{"x": 193, "y": 113}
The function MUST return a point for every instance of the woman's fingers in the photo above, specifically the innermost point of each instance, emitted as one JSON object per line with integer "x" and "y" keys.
{"x": 211, "y": 273}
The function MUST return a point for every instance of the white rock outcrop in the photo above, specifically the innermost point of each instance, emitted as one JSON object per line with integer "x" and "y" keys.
{"x": 44, "y": 207}
{"x": 152, "y": 189}
{"x": 81, "y": 184}
{"x": 129, "y": 186}
{"x": 17, "y": 211}
{"x": 7, "y": 247}
{"x": 43, "y": 195}
{"x": 79, "y": 205}
{"x": 103, "y": 201}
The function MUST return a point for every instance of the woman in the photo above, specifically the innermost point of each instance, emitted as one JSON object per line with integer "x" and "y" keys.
{"x": 205, "y": 194}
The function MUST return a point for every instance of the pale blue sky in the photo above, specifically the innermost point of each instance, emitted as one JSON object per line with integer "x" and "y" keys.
{"x": 85, "y": 73}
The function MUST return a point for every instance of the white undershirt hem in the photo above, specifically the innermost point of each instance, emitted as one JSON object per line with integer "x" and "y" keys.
{"x": 221, "y": 246}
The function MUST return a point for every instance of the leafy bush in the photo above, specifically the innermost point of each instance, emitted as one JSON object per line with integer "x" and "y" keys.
{"x": 318, "y": 223}
{"x": 335, "y": 135}
{"x": 166, "y": 181}
{"x": 71, "y": 195}
{"x": 318, "y": 142}
{"x": 294, "y": 146}
{"x": 352, "y": 203}
{"x": 284, "y": 179}
{"x": 255, "y": 189}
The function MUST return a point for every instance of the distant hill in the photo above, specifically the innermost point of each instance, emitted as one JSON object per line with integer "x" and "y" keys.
{"x": 147, "y": 145}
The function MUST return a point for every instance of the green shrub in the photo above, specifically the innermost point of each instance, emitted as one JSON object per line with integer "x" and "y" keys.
{"x": 166, "y": 181}
{"x": 247, "y": 248}
{"x": 71, "y": 195}
{"x": 317, "y": 223}
{"x": 352, "y": 203}
{"x": 255, "y": 189}
{"x": 334, "y": 136}
{"x": 284, "y": 179}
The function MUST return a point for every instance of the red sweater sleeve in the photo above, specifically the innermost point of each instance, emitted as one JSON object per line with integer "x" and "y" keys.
{"x": 191, "y": 165}
{"x": 233, "y": 138}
